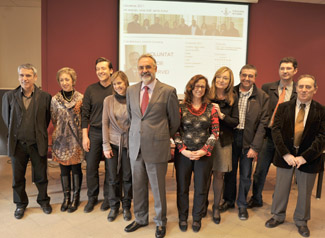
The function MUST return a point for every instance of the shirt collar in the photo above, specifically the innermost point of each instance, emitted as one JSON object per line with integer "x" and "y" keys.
{"x": 151, "y": 85}
{"x": 248, "y": 93}
{"x": 288, "y": 87}
{"x": 298, "y": 103}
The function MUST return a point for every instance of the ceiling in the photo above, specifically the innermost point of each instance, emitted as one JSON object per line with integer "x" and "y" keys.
{"x": 37, "y": 3}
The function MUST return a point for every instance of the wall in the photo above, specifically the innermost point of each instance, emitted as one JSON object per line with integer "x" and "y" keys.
{"x": 20, "y": 42}
{"x": 76, "y": 32}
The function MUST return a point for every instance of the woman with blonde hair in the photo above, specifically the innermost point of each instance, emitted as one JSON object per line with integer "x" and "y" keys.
{"x": 225, "y": 101}
{"x": 67, "y": 136}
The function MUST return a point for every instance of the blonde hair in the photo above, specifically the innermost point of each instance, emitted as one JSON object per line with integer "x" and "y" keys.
{"x": 229, "y": 91}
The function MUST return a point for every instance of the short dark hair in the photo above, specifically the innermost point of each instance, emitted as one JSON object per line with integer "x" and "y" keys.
{"x": 249, "y": 66}
{"x": 103, "y": 59}
{"x": 289, "y": 60}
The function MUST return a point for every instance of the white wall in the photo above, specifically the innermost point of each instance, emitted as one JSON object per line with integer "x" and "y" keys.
{"x": 20, "y": 42}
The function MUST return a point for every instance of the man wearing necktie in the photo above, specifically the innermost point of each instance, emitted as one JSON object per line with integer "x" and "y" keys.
{"x": 299, "y": 137}
{"x": 279, "y": 91}
{"x": 154, "y": 115}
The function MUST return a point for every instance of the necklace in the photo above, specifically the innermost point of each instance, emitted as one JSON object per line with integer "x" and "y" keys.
{"x": 66, "y": 98}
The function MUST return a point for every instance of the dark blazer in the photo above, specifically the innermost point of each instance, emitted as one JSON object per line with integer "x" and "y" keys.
{"x": 256, "y": 118}
{"x": 313, "y": 138}
{"x": 12, "y": 113}
{"x": 230, "y": 121}
{"x": 271, "y": 89}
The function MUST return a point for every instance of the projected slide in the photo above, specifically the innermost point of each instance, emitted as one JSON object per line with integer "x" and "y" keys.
{"x": 186, "y": 38}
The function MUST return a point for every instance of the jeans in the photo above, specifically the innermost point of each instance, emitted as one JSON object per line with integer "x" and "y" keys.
{"x": 239, "y": 154}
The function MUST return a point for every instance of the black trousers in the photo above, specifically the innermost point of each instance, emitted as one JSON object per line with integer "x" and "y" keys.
{"x": 93, "y": 158}
{"x": 202, "y": 171}
{"x": 119, "y": 180}
{"x": 19, "y": 163}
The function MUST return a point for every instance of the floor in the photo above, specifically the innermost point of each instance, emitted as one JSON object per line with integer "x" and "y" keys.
{"x": 79, "y": 224}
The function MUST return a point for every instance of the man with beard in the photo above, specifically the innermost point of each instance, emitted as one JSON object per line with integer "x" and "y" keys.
{"x": 154, "y": 115}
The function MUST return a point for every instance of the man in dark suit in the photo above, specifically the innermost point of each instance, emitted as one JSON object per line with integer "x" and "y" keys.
{"x": 279, "y": 91}
{"x": 26, "y": 113}
{"x": 154, "y": 115}
{"x": 299, "y": 137}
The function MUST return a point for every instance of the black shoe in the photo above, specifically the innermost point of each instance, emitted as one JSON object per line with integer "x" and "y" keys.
{"x": 242, "y": 213}
{"x": 127, "y": 214}
{"x": 105, "y": 205}
{"x": 160, "y": 231}
{"x": 196, "y": 226}
{"x": 216, "y": 215}
{"x": 225, "y": 206}
{"x": 112, "y": 214}
{"x": 90, "y": 205}
{"x": 271, "y": 223}
{"x": 47, "y": 209}
{"x": 183, "y": 225}
{"x": 303, "y": 230}
{"x": 253, "y": 203}
{"x": 134, "y": 226}
{"x": 19, "y": 212}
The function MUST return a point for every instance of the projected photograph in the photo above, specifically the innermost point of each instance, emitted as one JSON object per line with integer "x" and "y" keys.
{"x": 132, "y": 54}
{"x": 185, "y": 37}
{"x": 176, "y": 24}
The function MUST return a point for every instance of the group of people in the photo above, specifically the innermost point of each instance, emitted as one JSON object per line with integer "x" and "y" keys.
{"x": 181, "y": 28}
{"x": 215, "y": 128}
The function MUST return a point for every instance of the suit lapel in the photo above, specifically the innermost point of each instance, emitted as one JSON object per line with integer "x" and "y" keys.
{"x": 18, "y": 98}
{"x": 136, "y": 98}
{"x": 291, "y": 116}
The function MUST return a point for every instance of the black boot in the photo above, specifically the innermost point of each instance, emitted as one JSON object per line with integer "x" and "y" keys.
{"x": 77, "y": 181}
{"x": 66, "y": 188}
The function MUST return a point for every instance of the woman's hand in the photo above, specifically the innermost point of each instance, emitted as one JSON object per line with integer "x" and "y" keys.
{"x": 108, "y": 154}
{"x": 220, "y": 114}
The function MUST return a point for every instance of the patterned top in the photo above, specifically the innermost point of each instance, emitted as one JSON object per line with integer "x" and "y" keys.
{"x": 242, "y": 106}
{"x": 199, "y": 128}
{"x": 67, "y": 134}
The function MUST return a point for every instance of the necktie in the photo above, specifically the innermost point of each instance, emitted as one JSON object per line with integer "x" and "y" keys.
{"x": 145, "y": 100}
{"x": 281, "y": 99}
{"x": 299, "y": 125}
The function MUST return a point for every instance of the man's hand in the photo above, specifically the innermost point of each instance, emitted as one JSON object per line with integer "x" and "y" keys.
{"x": 290, "y": 159}
{"x": 300, "y": 161}
{"x": 252, "y": 154}
{"x": 85, "y": 140}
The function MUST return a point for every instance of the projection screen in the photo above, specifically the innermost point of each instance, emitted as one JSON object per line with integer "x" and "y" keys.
{"x": 186, "y": 38}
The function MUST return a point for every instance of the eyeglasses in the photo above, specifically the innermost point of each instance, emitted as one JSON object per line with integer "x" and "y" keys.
{"x": 197, "y": 87}
{"x": 251, "y": 76}
{"x": 224, "y": 78}
{"x": 147, "y": 67}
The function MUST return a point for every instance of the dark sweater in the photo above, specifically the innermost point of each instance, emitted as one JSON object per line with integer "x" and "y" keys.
{"x": 92, "y": 105}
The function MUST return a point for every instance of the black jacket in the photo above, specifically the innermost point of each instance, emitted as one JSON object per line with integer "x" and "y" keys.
{"x": 12, "y": 113}
{"x": 230, "y": 121}
{"x": 313, "y": 138}
{"x": 256, "y": 119}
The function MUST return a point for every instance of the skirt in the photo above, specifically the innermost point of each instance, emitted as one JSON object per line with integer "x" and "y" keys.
{"x": 222, "y": 157}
